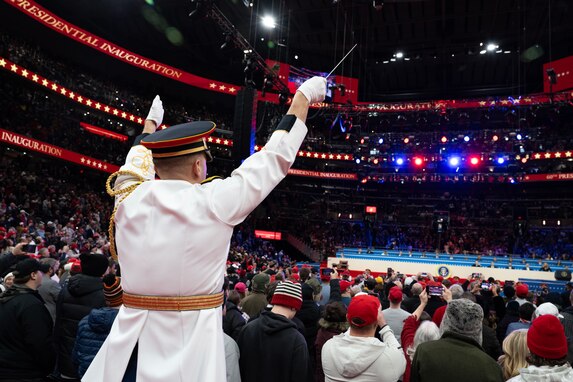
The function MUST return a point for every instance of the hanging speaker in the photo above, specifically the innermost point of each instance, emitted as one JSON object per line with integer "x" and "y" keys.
{"x": 563, "y": 275}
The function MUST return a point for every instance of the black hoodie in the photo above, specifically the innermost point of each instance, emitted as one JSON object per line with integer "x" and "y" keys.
{"x": 26, "y": 347}
{"x": 272, "y": 349}
{"x": 81, "y": 294}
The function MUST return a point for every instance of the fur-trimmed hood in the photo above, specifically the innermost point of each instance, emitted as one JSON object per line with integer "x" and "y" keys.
{"x": 339, "y": 327}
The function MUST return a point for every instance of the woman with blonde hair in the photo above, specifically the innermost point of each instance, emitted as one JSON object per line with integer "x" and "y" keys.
{"x": 514, "y": 355}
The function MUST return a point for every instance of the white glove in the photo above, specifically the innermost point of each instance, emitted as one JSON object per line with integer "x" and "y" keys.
{"x": 156, "y": 111}
{"x": 314, "y": 89}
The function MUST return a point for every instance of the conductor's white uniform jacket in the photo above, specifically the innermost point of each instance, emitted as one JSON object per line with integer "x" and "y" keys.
{"x": 173, "y": 239}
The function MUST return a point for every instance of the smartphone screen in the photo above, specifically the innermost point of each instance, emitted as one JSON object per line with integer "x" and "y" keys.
{"x": 434, "y": 290}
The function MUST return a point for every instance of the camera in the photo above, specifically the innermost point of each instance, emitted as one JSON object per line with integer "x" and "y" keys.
{"x": 485, "y": 286}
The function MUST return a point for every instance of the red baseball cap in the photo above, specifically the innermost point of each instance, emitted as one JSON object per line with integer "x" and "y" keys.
{"x": 363, "y": 310}
{"x": 521, "y": 290}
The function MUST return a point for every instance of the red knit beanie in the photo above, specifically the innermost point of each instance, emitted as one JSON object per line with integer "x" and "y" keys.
{"x": 546, "y": 338}
{"x": 288, "y": 294}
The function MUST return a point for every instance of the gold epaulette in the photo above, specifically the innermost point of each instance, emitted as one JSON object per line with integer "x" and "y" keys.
{"x": 124, "y": 192}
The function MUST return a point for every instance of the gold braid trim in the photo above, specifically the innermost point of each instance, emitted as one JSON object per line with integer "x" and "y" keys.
{"x": 122, "y": 193}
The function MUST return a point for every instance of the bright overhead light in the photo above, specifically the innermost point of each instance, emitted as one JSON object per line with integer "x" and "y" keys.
{"x": 392, "y": 59}
{"x": 407, "y": 59}
{"x": 269, "y": 22}
{"x": 507, "y": 52}
{"x": 482, "y": 51}
{"x": 491, "y": 47}
{"x": 385, "y": 62}
{"x": 399, "y": 54}
{"x": 296, "y": 56}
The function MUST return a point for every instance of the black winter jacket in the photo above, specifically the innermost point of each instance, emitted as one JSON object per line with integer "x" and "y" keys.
{"x": 272, "y": 349}
{"x": 81, "y": 294}
{"x": 26, "y": 347}
{"x": 233, "y": 321}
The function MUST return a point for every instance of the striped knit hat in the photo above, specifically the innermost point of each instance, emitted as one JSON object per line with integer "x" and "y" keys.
{"x": 112, "y": 290}
{"x": 288, "y": 294}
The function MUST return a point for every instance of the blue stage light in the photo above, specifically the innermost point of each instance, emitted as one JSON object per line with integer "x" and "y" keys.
{"x": 500, "y": 160}
{"x": 399, "y": 161}
{"x": 454, "y": 161}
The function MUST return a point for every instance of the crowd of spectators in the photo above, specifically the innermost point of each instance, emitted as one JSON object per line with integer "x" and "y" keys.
{"x": 334, "y": 324}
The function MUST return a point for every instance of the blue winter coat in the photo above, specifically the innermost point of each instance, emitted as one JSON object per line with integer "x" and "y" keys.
{"x": 93, "y": 329}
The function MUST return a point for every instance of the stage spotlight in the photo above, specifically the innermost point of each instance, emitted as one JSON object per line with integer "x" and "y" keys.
{"x": 474, "y": 161}
{"x": 491, "y": 47}
{"x": 357, "y": 160}
{"x": 406, "y": 140}
{"x": 518, "y": 136}
{"x": 399, "y": 161}
{"x": 418, "y": 161}
{"x": 399, "y": 54}
{"x": 500, "y": 160}
{"x": 269, "y": 22}
{"x": 466, "y": 139}
{"x": 444, "y": 139}
{"x": 380, "y": 141}
{"x": 495, "y": 138}
{"x": 454, "y": 161}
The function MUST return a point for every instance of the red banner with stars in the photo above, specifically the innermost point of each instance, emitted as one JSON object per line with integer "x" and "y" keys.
{"x": 547, "y": 177}
{"x": 49, "y": 19}
{"x": 55, "y": 151}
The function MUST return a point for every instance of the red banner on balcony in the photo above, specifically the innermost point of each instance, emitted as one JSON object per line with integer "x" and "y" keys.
{"x": 49, "y": 19}
{"x": 562, "y": 75}
{"x": 350, "y": 92}
{"x": 547, "y": 177}
{"x": 55, "y": 151}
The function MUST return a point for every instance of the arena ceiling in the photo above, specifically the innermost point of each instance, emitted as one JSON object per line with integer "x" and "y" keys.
{"x": 440, "y": 40}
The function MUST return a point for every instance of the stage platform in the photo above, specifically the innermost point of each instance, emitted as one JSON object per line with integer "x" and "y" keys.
{"x": 446, "y": 265}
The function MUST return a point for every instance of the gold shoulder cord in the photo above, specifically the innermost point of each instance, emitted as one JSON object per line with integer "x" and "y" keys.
{"x": 125, "y": 192}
